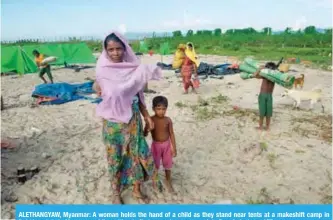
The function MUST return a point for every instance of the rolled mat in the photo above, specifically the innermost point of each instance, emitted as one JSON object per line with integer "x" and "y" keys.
{"x": 277, "y": 77}
{"x": 251, "y": 62}
{"x": 244, "y": 75}
{"x": 250, "y": 66}
{"x": 244, "y": 67}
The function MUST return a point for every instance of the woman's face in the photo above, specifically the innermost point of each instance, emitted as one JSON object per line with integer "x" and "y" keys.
{"x": 115, "y": 51}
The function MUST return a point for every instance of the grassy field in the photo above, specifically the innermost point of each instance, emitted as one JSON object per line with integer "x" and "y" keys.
{"x": 308, "y": 45}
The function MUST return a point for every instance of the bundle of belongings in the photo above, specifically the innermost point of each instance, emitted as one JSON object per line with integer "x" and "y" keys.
{"x": 59, "y": 93}
{"x": 205, "y": 69}
{"x": 271, "y": 72}
{"x": 179, "y": 56}
{"x": 221, "y": 69}
{"x": 164, "y": 66}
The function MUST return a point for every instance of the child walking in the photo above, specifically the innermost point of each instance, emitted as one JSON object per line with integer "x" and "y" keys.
{"x": 164, "y": 143}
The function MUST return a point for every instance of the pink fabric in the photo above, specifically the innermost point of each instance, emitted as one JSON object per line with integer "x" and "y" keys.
{"x": 120, "y": 82}
{"x": 162, "y": 151}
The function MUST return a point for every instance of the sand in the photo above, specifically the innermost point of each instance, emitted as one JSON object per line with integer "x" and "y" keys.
{"x": 220, "y": 154}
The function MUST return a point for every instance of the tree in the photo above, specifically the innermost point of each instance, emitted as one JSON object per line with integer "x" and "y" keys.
{"x": 230, "y": 31}
{"x": 218, "y": 32}
{"x": 310, "y": 30}
{"x": 189, "y": 33}
{"x": 177, "y": 34}
{"x": 207, "y": 32}
{"x": 287, "y": 30}
{"x": 328, "y": 31}
{"x": 267, "y": 31}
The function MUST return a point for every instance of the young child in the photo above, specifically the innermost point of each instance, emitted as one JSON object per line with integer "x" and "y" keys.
{"x": 265, "y": 99}
{"x": 164, "y": 143}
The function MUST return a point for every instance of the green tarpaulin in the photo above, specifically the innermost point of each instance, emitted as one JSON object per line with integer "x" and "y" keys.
{"x": 143, "y": 47}
{"x": 14, "y": 59}
{"x": 250, "y": 66}
{"x": 20, "y": 59}
{"x": 164, "y": 48}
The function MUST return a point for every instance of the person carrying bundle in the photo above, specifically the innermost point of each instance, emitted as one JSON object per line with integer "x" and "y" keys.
{"x": 265, "y": 98}
{"x": 44, "y": 68}
{"x": 189, "y": 68}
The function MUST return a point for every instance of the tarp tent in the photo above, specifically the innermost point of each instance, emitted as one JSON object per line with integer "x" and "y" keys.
{"x": 21, "y": 60}
{"x": 143, "y": 47}
{"x": 78, "y": 53}
{"x": 164, "y": 48}
{"x": 14, "y": 59}
{"x": 47, "y": 49}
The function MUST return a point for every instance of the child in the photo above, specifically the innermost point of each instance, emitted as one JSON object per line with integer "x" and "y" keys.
{"x": 164, "y": 144}
{"x": 265, "y": 98}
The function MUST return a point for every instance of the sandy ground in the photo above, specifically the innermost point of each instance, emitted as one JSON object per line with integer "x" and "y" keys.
{"x": 220, "y": 154}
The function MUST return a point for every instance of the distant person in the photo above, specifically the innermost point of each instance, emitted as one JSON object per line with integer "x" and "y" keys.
{"x": 164, "y": 143}
{"x": 120, "y": 81}
{"x": 265, "y": 98}
{"x": 189, "y": 68}
{"x": 46, "y": 68}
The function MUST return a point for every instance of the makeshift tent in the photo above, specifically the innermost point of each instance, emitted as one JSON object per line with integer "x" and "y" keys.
{"x": 164, "y": 48}
{"x": 21, "y": 60}
{"x": 14, "y": 59}
{"x": 69, "y": 53}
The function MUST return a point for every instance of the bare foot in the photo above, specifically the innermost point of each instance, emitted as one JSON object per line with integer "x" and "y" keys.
{"x": 116, "y": 199}
{"x": 186, "y": 92}
{"x": 140, "y": 198}
{"x": 259, "y": 128}
{"x": 169, "y": 187}
{"x": 194, "y": 91}
{"x": 157, "y": 186}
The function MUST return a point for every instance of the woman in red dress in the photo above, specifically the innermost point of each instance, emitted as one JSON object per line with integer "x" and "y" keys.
{"x": 189, "y": 68}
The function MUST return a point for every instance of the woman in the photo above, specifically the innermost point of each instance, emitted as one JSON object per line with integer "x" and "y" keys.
{"x": 120, "y": 81}
{"x": 189, "y": 67}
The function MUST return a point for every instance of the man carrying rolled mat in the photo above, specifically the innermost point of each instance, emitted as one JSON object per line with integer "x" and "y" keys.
{"x": 44, "y": 68}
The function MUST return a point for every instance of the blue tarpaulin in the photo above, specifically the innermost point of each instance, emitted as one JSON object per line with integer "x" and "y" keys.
{"x": 60, "y": 93}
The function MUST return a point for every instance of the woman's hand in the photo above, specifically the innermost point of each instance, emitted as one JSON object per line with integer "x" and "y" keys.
{"x": 149, "y": 123}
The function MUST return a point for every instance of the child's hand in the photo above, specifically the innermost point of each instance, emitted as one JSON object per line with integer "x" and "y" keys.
{"x": 145, "y": 131}
{"x": 174, "y": 152}
{"x": 149, "y": 123}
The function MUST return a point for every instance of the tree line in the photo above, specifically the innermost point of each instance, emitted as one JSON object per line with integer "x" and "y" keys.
{"x": 234, "y": 39}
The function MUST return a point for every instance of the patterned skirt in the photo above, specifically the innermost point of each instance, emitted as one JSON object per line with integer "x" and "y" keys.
{"x": 128, "y": 155}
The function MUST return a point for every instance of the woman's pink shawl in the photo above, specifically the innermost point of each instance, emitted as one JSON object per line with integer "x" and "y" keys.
{"x": 120, "y": 82}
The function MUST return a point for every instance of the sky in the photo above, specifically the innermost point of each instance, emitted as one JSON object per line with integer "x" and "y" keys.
{"x": 22, "y": 19}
